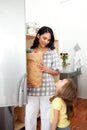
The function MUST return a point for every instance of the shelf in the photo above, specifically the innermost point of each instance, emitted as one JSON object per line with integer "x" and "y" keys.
{"x": 18, "y": 125}
{"x": 19, "y": 117}
{"x": 30, "y": 36}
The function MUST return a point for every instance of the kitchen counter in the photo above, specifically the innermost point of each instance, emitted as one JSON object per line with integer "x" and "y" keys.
{"x": 72, "y": 75}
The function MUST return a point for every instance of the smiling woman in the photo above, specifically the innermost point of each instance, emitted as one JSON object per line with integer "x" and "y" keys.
{"x": 29, "y": 40}
{"x": 50, "y": 67}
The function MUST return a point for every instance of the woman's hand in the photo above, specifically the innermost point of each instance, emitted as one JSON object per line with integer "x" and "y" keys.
{"x": 43, "y": 68}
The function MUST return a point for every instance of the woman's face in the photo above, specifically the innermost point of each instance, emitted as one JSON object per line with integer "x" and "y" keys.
{"x": 60, "y": 84}
{"x": 44, "y": 39}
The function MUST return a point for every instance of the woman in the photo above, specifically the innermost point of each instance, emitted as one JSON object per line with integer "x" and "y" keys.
{"x": 38, "y": 98}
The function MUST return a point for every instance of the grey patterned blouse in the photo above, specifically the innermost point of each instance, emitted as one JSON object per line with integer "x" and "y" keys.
{"x": 51, "y": 60}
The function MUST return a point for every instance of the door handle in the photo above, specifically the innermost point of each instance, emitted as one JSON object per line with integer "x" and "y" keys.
{"x": 21, "y": 90}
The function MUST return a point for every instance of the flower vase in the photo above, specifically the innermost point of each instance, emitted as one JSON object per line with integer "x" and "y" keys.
{"x": 64, "y": 65}
{"x": 64, "y": 57}
{"x": 64, "y": 69}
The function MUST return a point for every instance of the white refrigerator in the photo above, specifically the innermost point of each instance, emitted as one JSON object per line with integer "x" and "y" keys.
{"x": 13, "y": 90}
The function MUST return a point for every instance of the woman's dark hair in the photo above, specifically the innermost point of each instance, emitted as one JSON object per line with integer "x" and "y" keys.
{"x": 41, "y": 31}
{"x": 69, "y": 95}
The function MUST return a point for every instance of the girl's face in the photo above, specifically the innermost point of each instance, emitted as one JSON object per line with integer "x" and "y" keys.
{"x": 44, "y": 39}
{"x": 60, "y": 84}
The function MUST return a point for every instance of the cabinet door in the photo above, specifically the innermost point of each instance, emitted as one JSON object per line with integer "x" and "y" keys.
{"x": 12, "y": 54}
{"x": 6, "y": 118}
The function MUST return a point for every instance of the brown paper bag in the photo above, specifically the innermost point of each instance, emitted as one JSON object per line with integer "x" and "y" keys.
{"x": 34, "y": 74}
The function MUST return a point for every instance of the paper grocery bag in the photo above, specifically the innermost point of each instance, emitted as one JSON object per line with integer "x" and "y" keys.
{"x": 34, "y": 74}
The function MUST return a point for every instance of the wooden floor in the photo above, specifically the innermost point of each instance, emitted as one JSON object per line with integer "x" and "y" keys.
{"x": 79, "y": 121}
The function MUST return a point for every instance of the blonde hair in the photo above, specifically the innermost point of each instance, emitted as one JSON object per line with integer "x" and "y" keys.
{"x": 68, "y": 93}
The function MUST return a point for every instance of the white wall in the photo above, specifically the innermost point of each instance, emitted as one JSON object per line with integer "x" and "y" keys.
{"x": 69, "y": 22}
{"x": 74, "y": 30}
{"x": 43, "y": 12}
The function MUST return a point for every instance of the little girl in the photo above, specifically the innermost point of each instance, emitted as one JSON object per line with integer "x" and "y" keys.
{"x": 62, "y": 104}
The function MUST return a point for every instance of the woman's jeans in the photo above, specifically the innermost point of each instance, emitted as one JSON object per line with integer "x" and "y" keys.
{"x": 66, "y": 128}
